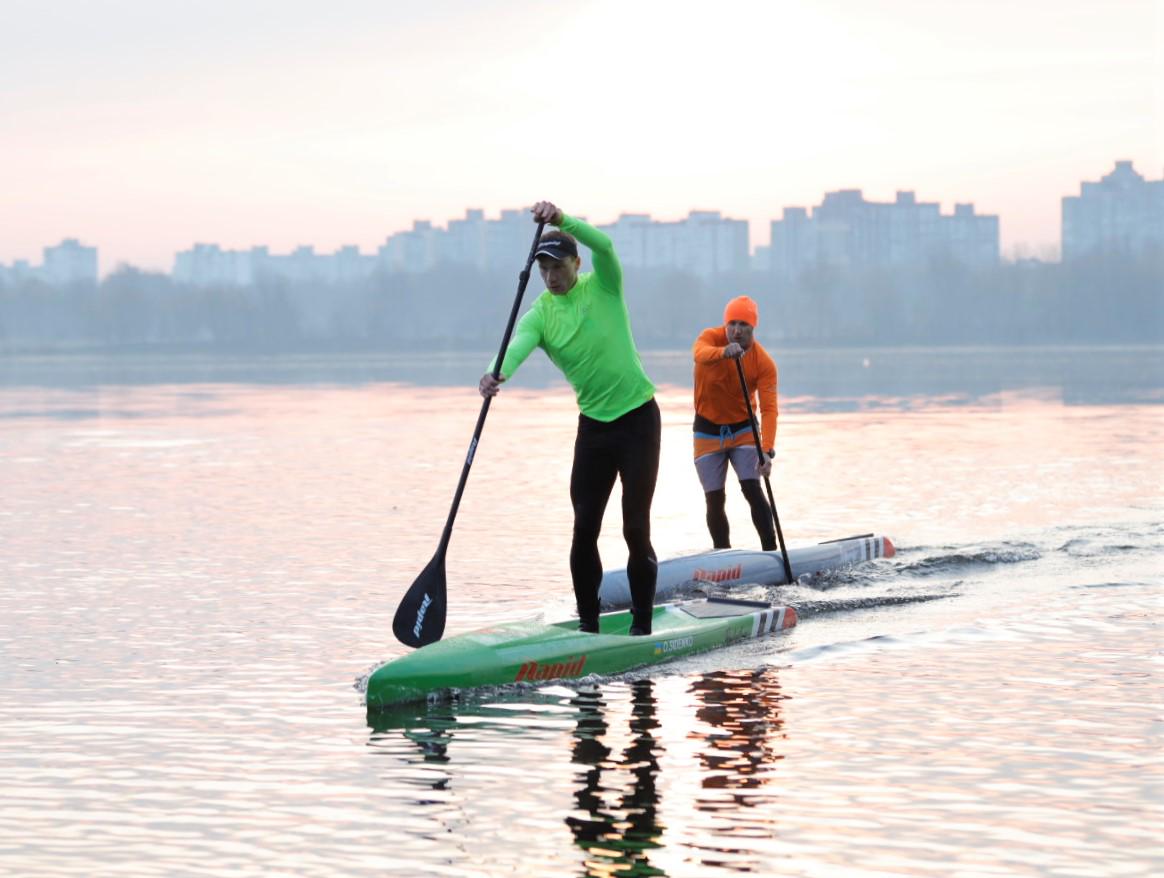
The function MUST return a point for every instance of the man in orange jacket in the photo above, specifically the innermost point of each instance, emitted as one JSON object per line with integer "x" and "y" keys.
{"x": 723, "y": 431}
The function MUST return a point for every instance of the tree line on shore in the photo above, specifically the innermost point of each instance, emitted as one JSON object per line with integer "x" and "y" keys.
{"x": 1105, "y": 299}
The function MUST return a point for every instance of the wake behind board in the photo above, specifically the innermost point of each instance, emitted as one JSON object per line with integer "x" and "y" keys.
{"x": 534, "y": 651}
{"x": 728, "y": 567}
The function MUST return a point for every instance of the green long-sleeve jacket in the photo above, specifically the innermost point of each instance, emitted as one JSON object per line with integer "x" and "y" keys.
{"x": 587, "y": 334}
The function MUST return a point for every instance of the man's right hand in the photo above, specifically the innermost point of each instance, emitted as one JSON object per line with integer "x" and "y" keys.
{"x": 764, "y": 465}
{"x": 733, "y": 352}
{"x": 488, "y": 386}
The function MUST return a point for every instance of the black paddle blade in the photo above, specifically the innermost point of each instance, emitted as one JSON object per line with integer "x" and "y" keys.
{"x": 420, "y": 618}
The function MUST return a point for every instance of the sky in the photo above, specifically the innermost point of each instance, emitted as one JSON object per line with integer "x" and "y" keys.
{"x": 144, "y": 126}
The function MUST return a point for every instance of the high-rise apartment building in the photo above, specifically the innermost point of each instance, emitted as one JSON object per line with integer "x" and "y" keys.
{"x": 1122, "y": 213}
{"x": 846, "y": 231}
{"x": 206, "y": 265}
{"x": 704, "y": 243}
{"x": 69, "y": 263}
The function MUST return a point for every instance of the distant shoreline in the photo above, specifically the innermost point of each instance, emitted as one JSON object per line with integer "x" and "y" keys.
{"x": 449, "y": 349}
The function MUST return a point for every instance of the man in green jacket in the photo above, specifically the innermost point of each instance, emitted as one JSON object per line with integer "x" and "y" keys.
{"x": 582, "y": 324}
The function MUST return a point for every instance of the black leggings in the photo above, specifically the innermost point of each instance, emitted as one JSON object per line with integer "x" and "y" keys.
{"x": 717, "y": 522}
{"x": 627, "y": 447}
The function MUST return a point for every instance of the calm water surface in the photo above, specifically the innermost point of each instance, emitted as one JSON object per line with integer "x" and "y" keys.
{"x": 200, "y": 562}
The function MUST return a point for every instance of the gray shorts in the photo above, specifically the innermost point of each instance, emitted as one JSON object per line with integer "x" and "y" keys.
{"x": 712, "y": 468}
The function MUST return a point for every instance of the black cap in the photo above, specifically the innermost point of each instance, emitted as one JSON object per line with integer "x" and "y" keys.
{"x": 557, "y": 248}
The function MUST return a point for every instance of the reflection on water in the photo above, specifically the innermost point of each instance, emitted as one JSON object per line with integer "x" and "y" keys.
{"x": 615, "y": 741}
{"x": 617, "y": 805}
{"x": 743, "y": 710}
{"x": 613, "y": 818}
{"x": 192, "y": 576}
{"x": 740, "y": 751}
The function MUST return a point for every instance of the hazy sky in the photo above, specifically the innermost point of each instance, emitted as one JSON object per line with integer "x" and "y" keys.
{"x": 142, "y": 126}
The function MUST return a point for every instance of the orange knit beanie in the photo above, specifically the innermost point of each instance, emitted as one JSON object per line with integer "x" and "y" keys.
{"x": 742, "y": 308}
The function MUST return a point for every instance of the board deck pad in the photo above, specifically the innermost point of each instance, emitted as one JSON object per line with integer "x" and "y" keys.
{"x": 715, "y": 608}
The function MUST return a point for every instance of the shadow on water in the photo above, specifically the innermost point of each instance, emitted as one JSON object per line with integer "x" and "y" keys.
{"x": 619, "y": 751}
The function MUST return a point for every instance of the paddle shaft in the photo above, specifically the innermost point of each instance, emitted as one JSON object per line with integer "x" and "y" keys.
{"x": 420, "y": 617}
{"x": 523, "y": 280}
{"x": 760, "y": 452}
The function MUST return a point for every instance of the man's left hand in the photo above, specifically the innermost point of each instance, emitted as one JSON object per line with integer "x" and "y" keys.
{"x": 547, "y": 212}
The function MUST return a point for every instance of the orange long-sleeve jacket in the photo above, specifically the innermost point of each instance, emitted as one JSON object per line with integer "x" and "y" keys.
{"x": 717, "y": 384}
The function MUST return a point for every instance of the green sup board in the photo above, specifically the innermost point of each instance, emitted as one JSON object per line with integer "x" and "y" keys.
{"x": 534, "y": 651}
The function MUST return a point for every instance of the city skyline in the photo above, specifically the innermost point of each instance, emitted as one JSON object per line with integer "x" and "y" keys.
{"x": 757, "y": 239}
{"x": 1122, "y": 208}
{"x": 282, "y": 123}
{"x": 849, "y": 270}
